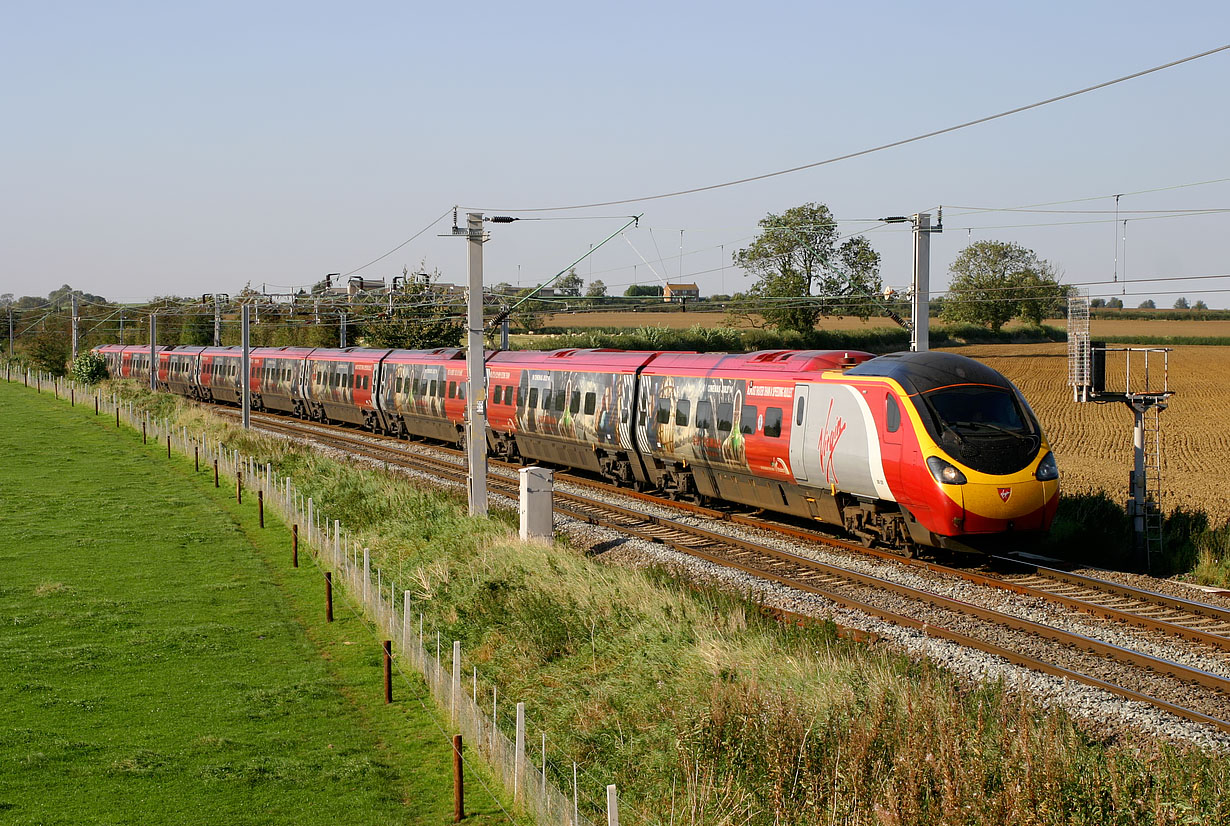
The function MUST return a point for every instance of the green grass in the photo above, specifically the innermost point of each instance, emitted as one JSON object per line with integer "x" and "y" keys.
{"x": 160, "y": 661}
{"x": 702, "y": 710}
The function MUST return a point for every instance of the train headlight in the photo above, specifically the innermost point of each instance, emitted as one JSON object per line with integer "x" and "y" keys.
{"x": 945, "y": 472}
{"x": 1048, "y": 470}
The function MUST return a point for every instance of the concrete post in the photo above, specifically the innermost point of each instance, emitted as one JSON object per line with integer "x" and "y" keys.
{"x": 247, "y": 374}
{"x": 920, "y": 332}
{"x": 537, "y": 489}
{"x": 476, "y": 405}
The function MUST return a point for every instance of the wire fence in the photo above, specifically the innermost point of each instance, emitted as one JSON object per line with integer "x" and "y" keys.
{"x": 390, "y": 611}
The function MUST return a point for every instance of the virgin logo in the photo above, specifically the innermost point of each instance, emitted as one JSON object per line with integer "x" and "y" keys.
{"x": 830, "y": 435}
{"x": 1004, "y": 493}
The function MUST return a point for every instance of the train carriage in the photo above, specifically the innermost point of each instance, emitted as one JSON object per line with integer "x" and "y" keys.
{"x": 113, "y": 355}
{"x": 221, "y": 379}
{"x": 722, "y": 426}
{"x": 571, "y": 407}
{"x": 422, "y": 393}
{"x": 276, "y": 378}
{"x": 179, "y": 370}
{"x": 338, "y": 386}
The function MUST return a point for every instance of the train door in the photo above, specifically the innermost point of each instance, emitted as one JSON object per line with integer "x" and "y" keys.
{"x": 890, "y": 445}
{"x": 798, "y": 465}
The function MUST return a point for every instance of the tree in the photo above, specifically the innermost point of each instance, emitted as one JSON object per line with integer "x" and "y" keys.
{"x": 1181, "y": 304}
{"x": 1097, "y": 302}
{"x": 1200, "y": 305}
{"x": 802, "y": 274}
{"x": 597, "y": 289}
{"x": 1147, "y": 304}
{"x": 420, "y": 318}
{"x": 50, "y": 351}
{"x": 570, "y": 284}
{"x": 197, "y": 329}
{"x": 643, "y": 291}
{"x": 1114, "y": 303}
{"x": 993, "y": 282}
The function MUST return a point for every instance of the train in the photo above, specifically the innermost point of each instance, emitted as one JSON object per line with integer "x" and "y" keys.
{"x": 908, "y": 450}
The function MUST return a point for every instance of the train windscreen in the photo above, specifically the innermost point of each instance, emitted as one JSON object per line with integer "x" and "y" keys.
{"x": 986, "y": 428}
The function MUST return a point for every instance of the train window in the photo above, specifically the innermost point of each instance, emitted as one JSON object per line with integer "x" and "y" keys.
{"x": 664, "y": 411}
{"x": 519, "y": 394}
{"x": 704, "y": 415}
{"x": 497, "y": 397}
{"x": 892, "y": 416}
{"x": 798, "y": 411}
{"x": 591, "y": 402}
{"x": 533, "y": 396}
{"x": 440, "y": 388}
{"x": 747, "y": 421}
{"x": 348, "y": 380}
{"x": 725, "y": 417}
{"x": 432, "y": 388}
{"x": 773, "y": 422}
{"x": 461, "y": 390}
{"x": 546, "y": 399}
{"x": 559, "y": 399}
{"x": 682, "y": 410}
{"x": 452, "y": 389}
{"x": 397, "y": 384}
{"x": 575, "y": 407}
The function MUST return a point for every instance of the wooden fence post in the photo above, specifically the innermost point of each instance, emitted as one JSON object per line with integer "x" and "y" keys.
{"x": 458, "y": 788}
{"x": 294, "y": 546}
{"x": 239, "y": 486}
{"x": 328, "y": 596}
{"x": 216, "y": 483}
{"x": 612, "y": 806}
{"x": 260, "y": 505}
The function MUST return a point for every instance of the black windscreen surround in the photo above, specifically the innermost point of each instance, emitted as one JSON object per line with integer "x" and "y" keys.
{"x": 973, "y": 412}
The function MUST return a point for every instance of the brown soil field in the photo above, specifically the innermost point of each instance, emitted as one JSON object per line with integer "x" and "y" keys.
{"x": 682, "y": 321}
{"x": 1093, "y": 442}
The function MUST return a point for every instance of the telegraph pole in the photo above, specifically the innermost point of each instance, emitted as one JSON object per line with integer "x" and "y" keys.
{"x": 341, "y": 332}
{"x": 247, "y": 374}
{"x": 153, "y": 351}
{"x": 217, "y": 321}
{"x": 921, "y": 291}
{"x": 76, "y": 319}
{"x": 476, "y": 437}
{"x": 121, "y": 325}
{"x": 11, "y": 351}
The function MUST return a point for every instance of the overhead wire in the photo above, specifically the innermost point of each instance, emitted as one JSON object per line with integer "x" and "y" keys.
{"x": 879, "y": 148}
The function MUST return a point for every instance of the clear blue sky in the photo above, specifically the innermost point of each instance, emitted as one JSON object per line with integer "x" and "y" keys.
{"x": 167, "y": 148}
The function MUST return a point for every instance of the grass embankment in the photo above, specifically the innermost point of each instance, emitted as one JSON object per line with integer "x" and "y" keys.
{"x": 702, "y": 711}
{"x": 160, "y": 662}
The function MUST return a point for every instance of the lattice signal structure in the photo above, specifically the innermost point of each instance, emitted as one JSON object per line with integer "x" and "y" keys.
{"x": 1146, "y": 390}
{"x": 1080, "y": 361}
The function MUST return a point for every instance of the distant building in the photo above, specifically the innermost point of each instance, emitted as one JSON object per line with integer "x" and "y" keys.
{"x": 680, "y": 292}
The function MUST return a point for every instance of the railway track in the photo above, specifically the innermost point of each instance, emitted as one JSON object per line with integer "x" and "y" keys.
{"x": 1189, "y": 692}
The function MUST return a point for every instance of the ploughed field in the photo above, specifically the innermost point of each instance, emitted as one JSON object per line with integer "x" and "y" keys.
{"x": 1093, "y": 442}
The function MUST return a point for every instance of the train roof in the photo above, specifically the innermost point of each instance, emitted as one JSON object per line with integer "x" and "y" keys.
{"x": 574, "y": 359}
{"x": 434, "y": 356}
{"x": 923, "y": 372}
{"x": 355, "y": 354}
{"x": 763, "y": 363}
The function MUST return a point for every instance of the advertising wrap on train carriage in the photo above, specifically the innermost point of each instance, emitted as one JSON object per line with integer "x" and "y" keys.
{"x": 837, "y": 445}
{"x": 577, "y": 406}
{"x": 704, "y": 420}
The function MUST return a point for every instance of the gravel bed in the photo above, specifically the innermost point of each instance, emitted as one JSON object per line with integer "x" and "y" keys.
{"x": 1104, "y": 713}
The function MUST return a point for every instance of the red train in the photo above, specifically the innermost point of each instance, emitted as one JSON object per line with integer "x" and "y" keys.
{"x": 908, "y": 449}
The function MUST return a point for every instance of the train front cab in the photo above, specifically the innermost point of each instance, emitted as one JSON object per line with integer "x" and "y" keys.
{"x": 975, "y": 470}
